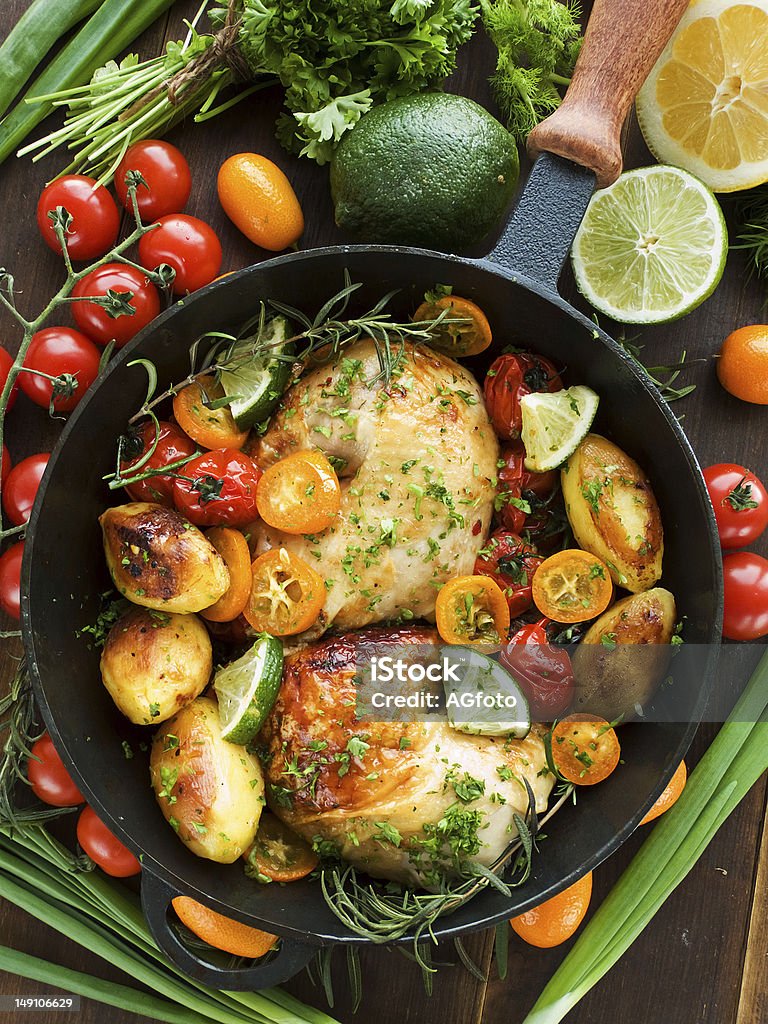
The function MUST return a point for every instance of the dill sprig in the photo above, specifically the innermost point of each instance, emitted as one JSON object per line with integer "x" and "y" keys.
{"x": 538, "y": 42}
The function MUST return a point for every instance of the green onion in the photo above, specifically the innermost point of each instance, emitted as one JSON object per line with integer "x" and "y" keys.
{"x": 734, "y": 762}
{"x": 111, "y": 29}
{"x": 31, "y": 39}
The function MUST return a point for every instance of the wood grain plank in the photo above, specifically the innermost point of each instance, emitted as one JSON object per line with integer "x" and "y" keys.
{"x": 753, "y": 998}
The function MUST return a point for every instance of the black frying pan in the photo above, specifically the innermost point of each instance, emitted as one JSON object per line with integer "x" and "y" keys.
{"x": 64, "y": 569}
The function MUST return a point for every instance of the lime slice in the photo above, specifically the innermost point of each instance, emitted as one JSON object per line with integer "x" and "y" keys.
{"x": 256, "y": 385}
{"x": 486, "y": 700}
{"x": 247, "y": 688}
{"x": 651, "y": 247}
{"x": 555, "y": 424}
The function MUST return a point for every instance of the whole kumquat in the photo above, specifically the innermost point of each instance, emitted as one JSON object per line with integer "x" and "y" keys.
{"x": 222, "y": 932}
{"x": 743, "y": 364}
{"x": 555, "y": 920}
{"x": 670, "y": 795}
{"x": 259, "y": 200}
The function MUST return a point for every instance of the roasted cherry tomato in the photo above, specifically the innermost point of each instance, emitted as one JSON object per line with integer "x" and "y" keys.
{"x": 464, "y": 331}
{"x": 6, "y": 362}
{"x": 188, "y": 245}
{"x": 233, "y": 548}
{"x": 218, "y": 488}
{"x": 745, "y": 616}
{"x": 472, "y": 610}
{"x": 278, "y": 853}
{"x": 543, "y": 671}
{"x": 166, "y": 173}
{"x": 521, "y": 492}
{"x": 104, "y": 848}
{"x": 509, "y": 379}
{"x": 585, "y": 749}
{"x": 287, "y": 595}
{"x": 553, "y": 922}
{"x": 210, "y": 428}
{"x": 300, "y": 493}
{"x": 572, "y": 586}
{"x": 50, "y": 780}
{"x": 172, "y": 447}
{"x": 740, "y": 502}
{"x": 10, "y": 580}
{"x": 508, "y": 560}
{"x": 95, "y": 218}
{"x": 64, "y": 353}
{"x": 97, "y": 322}
{"x": 21, "y": 487}
{"x": 5, "y": 465}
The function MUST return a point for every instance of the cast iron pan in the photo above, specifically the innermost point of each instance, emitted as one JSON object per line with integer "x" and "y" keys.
{"x": 64, "y": 570}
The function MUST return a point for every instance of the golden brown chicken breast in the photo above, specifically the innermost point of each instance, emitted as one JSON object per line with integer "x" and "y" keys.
{"x": 159, "y": 560}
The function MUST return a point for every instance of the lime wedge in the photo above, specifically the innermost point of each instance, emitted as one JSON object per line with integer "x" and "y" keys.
{"x": 555, "y": 424}
{"x": 651, "y": 247}
{"x": 256, "y": 384}
{"x": 246, "y": 689}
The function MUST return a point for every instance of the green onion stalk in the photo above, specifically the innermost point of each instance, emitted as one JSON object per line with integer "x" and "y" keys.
{"x": 734, "y": 762}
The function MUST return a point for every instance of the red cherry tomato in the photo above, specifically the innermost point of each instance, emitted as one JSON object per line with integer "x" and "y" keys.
{"x": 21, "y": 487}
{"x": 95, "y": 217}
{"x": 5, "y": 465}
{"x": 218, "y": 489}
{"x": 51, "y": 782}
{"x": 508, "y": 560}
{"x": 6, "y": 362}
{"x": 10, "y": 580}
{"x": 166, "y": 173}
{"x": 510, "y": 378}
{"x": 172, "y": 445}
{"x": 96, "y": 321}
{"x": 188, "y": 245}
{"x": 103, "y": 847}
{"x": 59, "y": 351}
{"x": 543, "y": 671}
{"x": 520, "y": 489}
{"x": 745, "y": 615}
{"x": 740, "y": 502}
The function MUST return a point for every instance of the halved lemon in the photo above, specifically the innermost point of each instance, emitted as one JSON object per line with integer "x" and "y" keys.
{"x": 704, "y": 106}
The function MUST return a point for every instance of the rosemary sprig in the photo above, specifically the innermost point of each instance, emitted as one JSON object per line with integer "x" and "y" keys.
{"x": 752, "y": 215}
{"x": 664, "y": 377}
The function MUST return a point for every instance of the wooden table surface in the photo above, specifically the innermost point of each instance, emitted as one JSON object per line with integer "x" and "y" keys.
{"x": 705, "y": 958}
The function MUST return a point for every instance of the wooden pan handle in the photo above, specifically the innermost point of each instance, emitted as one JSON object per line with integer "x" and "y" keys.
{"x": 623, "y": 41}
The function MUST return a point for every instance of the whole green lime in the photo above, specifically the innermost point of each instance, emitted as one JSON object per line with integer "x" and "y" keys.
{"x": 432, "y": 170}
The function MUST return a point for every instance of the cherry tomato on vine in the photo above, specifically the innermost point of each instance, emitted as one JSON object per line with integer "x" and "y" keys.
{"x": 172, "y": 445}
{"x": 745, "y": 576}
{"x": 188, "y": 245}
{"x": 95, "y": 218}
{"x": 740, "y": 502}
{"x": 510, "y": 378}
{"x": 6, "y": 362}
{"x": 542, "y": 670}
{"x": 51, "y": 782}
{"x": 96, "y": 321}
{"x": 59, "y": 351}
{"x": 166, "y": 172}
{"x": 218, "y": 489}
{"x": 21, "y": 487}
{"x": 10, "y": 580}
{"x": 104, "y": 848}
{"x": 511, "y": 563}
{"x": 5, "y": 465}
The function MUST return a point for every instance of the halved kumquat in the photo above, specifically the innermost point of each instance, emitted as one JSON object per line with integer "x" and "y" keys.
{"x": 287, "y": 595}
{"x": 670, "y": 795}
{"x": 196, "y": 410}
{"x": 472, "y": 610}
{"x": 222, "y": 932}
{"x": 300, "y": 494}
{"x": 233, "y": 548}
{"x": 585, "y": 749}
{"x": 572, "y": 586}
{"x": 556, "y": 920}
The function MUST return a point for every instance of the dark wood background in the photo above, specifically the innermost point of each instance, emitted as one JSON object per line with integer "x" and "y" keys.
{"x": 704, "y": 960}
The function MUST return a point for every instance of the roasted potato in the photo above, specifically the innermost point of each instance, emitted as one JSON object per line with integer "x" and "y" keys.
{"x": 210, "y": 791}
{"x": 624, "y": 655}
{"x": 154, "y": 663}
{"x": 613, "y": 512}
{"x": 159, "y": 560}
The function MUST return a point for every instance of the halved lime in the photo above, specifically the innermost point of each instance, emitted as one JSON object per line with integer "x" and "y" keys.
{"x": 651, "y": 247}
{"x": 256, "y": 383}
{"x": 246, "y": 689}
{"x": 555, "y": 424}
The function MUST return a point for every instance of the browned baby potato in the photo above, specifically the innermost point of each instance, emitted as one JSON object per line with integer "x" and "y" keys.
{"x": 159, "y": 560}
{"x": 613, "y": 512}
{"x": 210, "y": 791}
{"x": 624, "y": 655}
{"x": 154, "y": 663}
